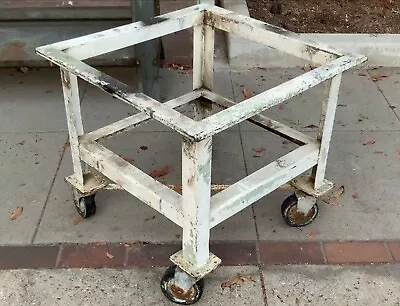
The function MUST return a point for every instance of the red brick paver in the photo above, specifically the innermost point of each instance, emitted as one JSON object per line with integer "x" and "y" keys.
{"x": 95, "y": 255}
{"x": 291, "y": 253}
{"x": 360, "y": 252}
{"x": 394, "y": 247}
{"x": 233, "y": 253}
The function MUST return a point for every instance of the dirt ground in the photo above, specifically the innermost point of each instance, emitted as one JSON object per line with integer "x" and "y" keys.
{"x": 334, "y": 16}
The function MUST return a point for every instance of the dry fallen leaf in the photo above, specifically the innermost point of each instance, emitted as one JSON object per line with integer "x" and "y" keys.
{"x": 379, "y": 77}
{"x": 332, "y": 200}
{"x": 109, "y": 255}
{"x": 181, "y": 67}
{"x": 24, "y": 69}
{"x": 338, "y": 192}
{"x": 379, "y": 152}
{"x": 313, "y": 234}
{"x": 66, "y": 145}
{"x": 246, "y": 93}
{"x": 234, "y": 281}
{"x": 17, "y": 212}
{"x": 368, "y": 142}
{"x": 360, "y": 73}
{"x": 311, "y": 126}
{"x": 160, "y": 172}
{"x": 22, "y": 142}
{"x": 150, "y": 218}
{"x": 259, "y": 152}
{"x": 78, "y": 220}
{"x": 128, "y": 159}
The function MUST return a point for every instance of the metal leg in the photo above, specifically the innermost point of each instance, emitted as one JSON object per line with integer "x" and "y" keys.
{"x": 74, "y": 120}
{"x": 196, "y": 195}
{"x": 195, "y": 260}
{"x": 203, "y": 66}
{"x": 325, "y": 130}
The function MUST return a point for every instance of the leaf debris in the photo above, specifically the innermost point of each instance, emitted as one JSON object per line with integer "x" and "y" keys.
{"x": 259, "y": 152}
{"x": 16, "y": 213}
{"x": 246, "y": 93}
{"x": 160, "y": 172}
{"x": 110, "y": 255}
{"x": 369, "y": 142}
{"x": 236, "y": 280}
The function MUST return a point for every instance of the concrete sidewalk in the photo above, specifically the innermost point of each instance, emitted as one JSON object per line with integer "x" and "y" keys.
{"x": 364, "y": 158}
{"x": 274, "y": 286}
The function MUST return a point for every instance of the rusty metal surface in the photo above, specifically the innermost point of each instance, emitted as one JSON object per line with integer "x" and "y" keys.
{"x": 195, "y": 209}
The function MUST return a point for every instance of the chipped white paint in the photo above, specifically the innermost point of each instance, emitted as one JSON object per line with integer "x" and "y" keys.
{"x": 196, "y": 194}
{"x": 133, "y": 180}
{"x": 272, "y": 36}
{"x": 131, "y": 122}
{"x": 74, "y": 119}
{"x": 260, "y": 183}
{"x": 123, "y": 92}
{"x": 305, "y": 183}
{"x": 131, "y": 34}
{"x": 274, "y": 96}
{"x": 203, "y": 66}
{"x": 196, "y": 211}
{"x": 263, "y": 121}
{"x": 325, "y": 129}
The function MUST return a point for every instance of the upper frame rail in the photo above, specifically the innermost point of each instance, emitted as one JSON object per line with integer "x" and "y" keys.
{"x": 131, "y": 34}
{"x": 253, "y": 106}
{"x": 272, "y": 36}
{"x": 154, "y": 109}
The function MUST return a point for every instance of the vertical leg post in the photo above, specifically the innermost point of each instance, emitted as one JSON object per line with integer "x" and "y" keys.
{"x": 203, "y": 66}
{"x": 196, "y": 195}
{"x": 325, "y": 130}
{"x": 74, "y": 119}
{"x": 196, "y": 157}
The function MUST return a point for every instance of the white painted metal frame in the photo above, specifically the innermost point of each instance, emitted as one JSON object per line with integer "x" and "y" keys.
{"x": 196, "y": 211}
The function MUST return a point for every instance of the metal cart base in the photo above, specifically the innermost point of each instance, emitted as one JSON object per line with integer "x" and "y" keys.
{"x": 195, "y": 210}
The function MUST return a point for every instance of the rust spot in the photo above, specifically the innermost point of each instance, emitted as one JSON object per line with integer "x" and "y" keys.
{"x": 182, "y": 294}
{"x": 13, "y": 51}
{"x": 311, "y": 51}
{"x": 191, "y": 180}
{"x": 65, "y": 79}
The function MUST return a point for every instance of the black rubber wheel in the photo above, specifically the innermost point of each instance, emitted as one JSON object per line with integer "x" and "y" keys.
{"x": 175, "y": 295}
{"x": 86, "y": 206}
{"x": 295, "y": 218}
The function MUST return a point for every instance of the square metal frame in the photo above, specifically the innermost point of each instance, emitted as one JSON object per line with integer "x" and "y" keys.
{"x": 196, "y": 211}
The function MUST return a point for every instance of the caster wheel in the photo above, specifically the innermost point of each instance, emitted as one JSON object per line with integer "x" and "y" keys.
{"x": 295, "y": 218}
{"x": 86, "y": 206}
{"x": 175, "y": 294}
